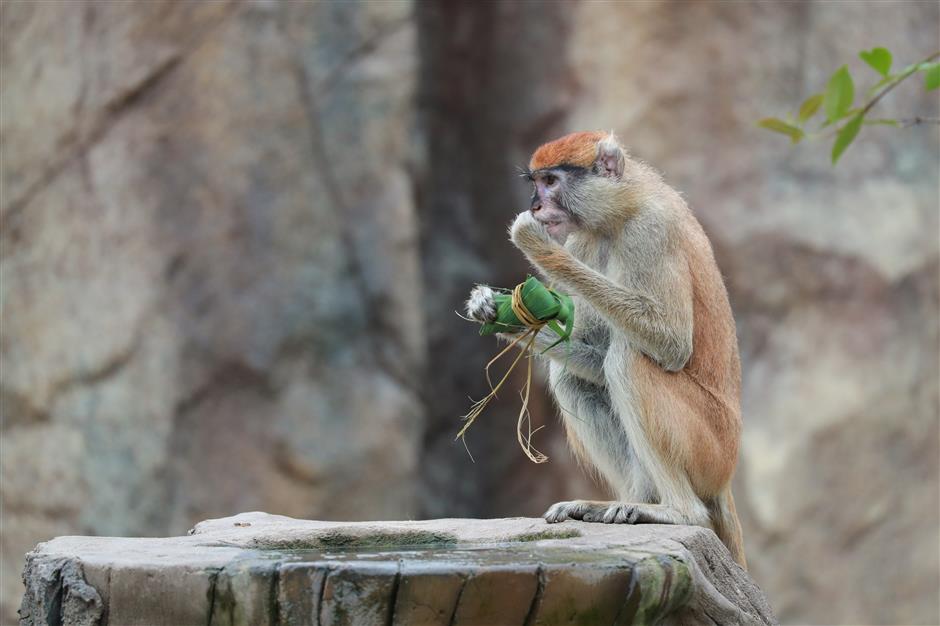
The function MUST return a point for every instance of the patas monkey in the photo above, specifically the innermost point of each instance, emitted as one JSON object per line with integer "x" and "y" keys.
{"x": 649, "y": 385}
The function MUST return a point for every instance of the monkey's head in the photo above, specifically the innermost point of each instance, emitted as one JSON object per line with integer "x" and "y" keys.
{"x": 577, "y": 183}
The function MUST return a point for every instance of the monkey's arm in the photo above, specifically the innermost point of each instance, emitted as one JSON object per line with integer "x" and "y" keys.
{"x": 660, "y": 328}
{"x": 581, "y": 359}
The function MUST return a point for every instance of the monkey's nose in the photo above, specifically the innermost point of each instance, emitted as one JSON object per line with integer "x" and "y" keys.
{"x": 536, "y": 205}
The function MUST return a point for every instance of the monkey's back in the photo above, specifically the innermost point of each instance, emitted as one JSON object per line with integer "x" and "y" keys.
{"x": 708, "y": 389}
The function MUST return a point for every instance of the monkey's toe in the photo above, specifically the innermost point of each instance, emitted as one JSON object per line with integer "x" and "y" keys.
{"x": 561, "y": 511}
{"x": 621, "y": 513}
{"x": 590, "y": 511}
{"x": 600, "y": 512}
{"x": 610, "y": 513}
{"x": 556, "y": 513}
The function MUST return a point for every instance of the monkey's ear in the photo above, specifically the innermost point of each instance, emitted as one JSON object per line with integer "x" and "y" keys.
{"x": 610, "y": 159}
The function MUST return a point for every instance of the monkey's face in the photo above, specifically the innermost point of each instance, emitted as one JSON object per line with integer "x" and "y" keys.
{"x": 578, "y": 184}
{"x": 551, "y": 193}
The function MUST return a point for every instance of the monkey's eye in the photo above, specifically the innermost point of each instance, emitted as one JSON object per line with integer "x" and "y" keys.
{"x": 549, "y": 179}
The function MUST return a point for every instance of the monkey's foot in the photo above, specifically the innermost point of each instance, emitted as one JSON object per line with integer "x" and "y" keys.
{"x": 612, "y": 513}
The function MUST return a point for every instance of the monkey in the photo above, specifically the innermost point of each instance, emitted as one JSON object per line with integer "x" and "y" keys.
{"x": 649, "y": 383}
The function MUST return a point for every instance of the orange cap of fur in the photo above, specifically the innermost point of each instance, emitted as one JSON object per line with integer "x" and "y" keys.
{"x": 578, "y": 149}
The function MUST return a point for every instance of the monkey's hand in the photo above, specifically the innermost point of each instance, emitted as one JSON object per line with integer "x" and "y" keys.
{"x": 531, "y": 237}
{"x": 481, "y": 305}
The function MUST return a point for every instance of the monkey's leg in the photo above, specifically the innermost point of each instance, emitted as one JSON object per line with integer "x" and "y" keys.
{"x": 667, "y": 496}
{"x": 651, "y": 487}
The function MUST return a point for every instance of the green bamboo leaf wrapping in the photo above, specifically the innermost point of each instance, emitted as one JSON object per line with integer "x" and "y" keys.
{"x": 539, "y": 300}
{"x": 506, "y": 320}
{"x": 544, "y": 303}
{"x": 566, "y": 309}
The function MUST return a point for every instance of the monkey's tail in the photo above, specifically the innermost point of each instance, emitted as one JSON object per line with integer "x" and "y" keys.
{"x": 727, "y": 527}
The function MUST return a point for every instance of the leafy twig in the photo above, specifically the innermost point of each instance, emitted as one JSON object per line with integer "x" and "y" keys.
{"x": 842, "y": 120}
{"x": 901, "y": 77}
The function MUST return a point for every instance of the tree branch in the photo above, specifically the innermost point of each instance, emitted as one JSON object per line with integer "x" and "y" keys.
{"x": 905, "y": 122}
{"x": 914, "y": 121}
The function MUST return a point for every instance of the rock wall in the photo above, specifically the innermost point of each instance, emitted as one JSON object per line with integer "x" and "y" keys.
{"x": 211, "y": 298}
{"x": 234, "y": 235}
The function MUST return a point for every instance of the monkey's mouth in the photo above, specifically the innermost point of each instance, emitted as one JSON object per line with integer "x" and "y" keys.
{"x": 558, "y": 225}
{"x": 554, "y": 219}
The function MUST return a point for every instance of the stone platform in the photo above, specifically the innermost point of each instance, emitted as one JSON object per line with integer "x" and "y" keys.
{"x": 267, "y": 570}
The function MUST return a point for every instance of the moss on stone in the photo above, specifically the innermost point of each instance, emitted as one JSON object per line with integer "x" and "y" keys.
{"x": 387, "y": 539}
{"x": 566, "y": 533}
{"x": 340, "y": 540}
{"x": 664, "y": 584}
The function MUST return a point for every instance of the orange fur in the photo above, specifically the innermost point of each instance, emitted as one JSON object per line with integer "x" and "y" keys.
{"x": 577, "y": 448}
{"x": 726, "y": 525}
{"x": 579, "y": 149}
{"x": 555, "y": 261}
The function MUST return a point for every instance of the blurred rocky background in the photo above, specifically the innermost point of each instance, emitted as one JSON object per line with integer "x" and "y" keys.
{"x": 234, "y": 235}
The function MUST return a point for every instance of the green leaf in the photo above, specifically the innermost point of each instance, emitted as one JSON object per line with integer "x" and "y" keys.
{"x": 846, "y": 136}
{"x": 840, "y": 92}
{"x": 810, "y": 106}
{"x": 779, "y": 126}
{"x": 878, "y": 58}
{"x": 932, "y": 76}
